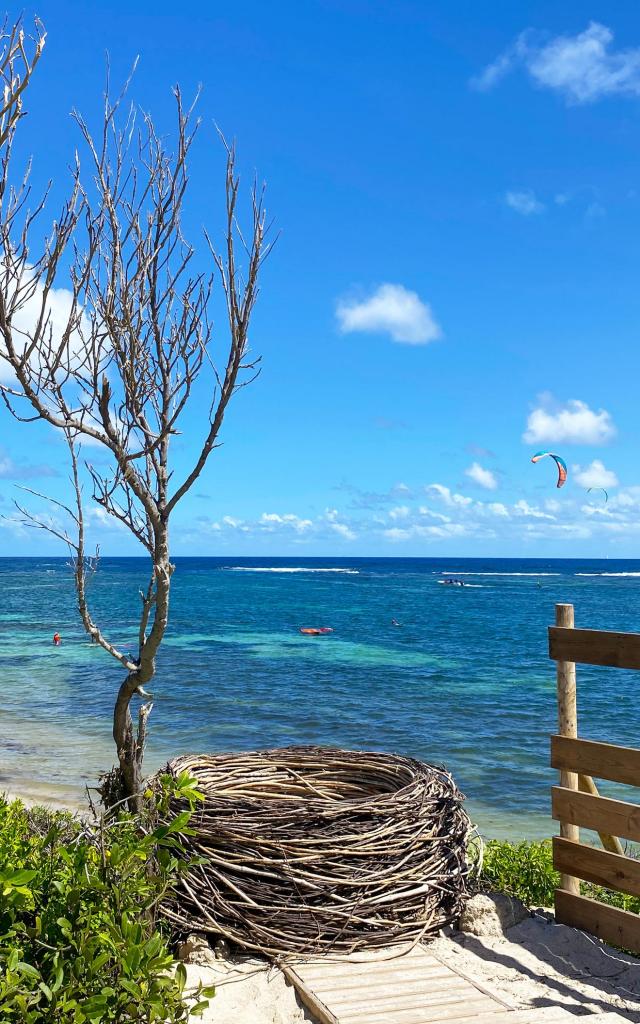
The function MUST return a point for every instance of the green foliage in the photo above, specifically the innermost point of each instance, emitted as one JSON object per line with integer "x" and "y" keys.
{"x": 526, "y": 870}
{"x": 79, "y": 938}
{"x": 521, "y": 869}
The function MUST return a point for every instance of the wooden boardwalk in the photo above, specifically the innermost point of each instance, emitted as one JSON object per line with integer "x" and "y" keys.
{"x": 416, "y": 988}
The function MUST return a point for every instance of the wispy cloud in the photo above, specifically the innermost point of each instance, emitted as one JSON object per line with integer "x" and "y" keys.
{"x": 524, "y": 202}
{"x": 583, "y": 68}
{"x": 392, "y": 309}
{"x": 481, "y": 476}
{"x": 441, "y": 521}
{"x": 10, "y": 470}
{"x": 574, "y": 423}
{"x": 328, "y": 524}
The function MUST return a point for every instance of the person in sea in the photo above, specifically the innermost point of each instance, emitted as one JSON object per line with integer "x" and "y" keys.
{"x": 57, "y": 639}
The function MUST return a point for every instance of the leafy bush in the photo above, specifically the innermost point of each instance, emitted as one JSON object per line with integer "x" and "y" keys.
{"x": 521, "y": 869}
{"x": 79, "y": 936}
{"x": 526, "y": 870}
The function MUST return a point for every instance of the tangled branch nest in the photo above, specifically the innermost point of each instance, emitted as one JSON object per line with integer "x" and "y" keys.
{"x": 313, "y": 849}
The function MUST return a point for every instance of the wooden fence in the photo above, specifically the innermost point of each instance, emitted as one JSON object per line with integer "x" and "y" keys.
{"x": 576, "y": 802}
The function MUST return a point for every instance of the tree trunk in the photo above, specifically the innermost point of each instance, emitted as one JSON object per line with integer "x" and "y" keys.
{"x": 130, "y": 746}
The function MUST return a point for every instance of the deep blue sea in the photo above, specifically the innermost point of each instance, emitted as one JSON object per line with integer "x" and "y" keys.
{"x": 465, "y": 680}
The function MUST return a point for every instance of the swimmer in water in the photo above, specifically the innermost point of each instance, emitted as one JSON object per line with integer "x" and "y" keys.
{"x": 57, "y": 639}
{"x": 394, "y": 622}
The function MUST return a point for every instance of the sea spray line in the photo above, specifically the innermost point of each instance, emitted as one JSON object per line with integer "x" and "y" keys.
{"x": 251, "y": 568}
{"x": 522, "y": 574}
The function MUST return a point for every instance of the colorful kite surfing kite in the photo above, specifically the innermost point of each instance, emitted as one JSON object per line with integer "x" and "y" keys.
{"x": 560, "y": 463}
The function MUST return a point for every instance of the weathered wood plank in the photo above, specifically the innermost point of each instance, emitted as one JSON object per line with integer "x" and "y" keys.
{"x": 604, "y": 760}
{"x": 449, "y": 1013}
{"x": 309, "y": 997}
{"x": 611, "y": 870}
{"x": 412, "y": 997}
{"x": 610, "y": 843}
{"x": 594, "y": 647}
{"x": 619, "y": 927}
{"x": 567, "y": 726}
{"x": 617, "y": 817}
{"x": 414, "y": 988}
{"x": 345, "y": 983}
{"x": 543, "y": 1015}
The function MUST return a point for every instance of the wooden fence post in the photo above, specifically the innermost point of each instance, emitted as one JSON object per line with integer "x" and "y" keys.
{"x": 567, "y": 726}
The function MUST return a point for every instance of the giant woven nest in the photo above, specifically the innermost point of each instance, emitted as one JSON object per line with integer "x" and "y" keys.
{"x": 313, "y": 849}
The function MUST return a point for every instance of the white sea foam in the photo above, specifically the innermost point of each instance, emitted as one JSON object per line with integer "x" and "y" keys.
{"x": 636, "y": 574}
{"x": 251, "y": 568}
{"x": 467, "y": 586}
{"x": 504, "y": 574}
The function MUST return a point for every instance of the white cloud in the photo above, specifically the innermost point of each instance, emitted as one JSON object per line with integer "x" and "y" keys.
{"x": 498, "y": 509}
{"x": 524, "y": 202}
{"x": 285, "y": 524}
{"x": 595, "y": 475}
{"x": 271, "y": 521}
{"x": 59, "y": 306}
{"x": 394, "y": 310}
{"x": 481, "y": 476}
{"x": 430, "y": 514}
{"x": 583, "y": 68}
{"x": 400, "y": 512}
{"x": 444, "y": 493}
{"x": 523, "y": 508}
{"x": 576, "y": 423}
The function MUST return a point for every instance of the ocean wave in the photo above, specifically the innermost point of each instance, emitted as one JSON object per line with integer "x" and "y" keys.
{"x": 608, "y": 574}
{"x": 508, "y": 574}
{"x": 467, "y": 586}
{"x": 250, "y": 568}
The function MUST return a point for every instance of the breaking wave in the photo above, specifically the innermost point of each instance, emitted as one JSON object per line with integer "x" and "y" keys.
{"x": 608, "y": 574}
{"x": 251, "y": 568}
{"x": 508, "y": 574}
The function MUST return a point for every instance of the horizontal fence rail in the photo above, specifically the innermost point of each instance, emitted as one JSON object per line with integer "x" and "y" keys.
{"x": 594, "y": 647}
{"x": 576, "y": 803}
{"x": 619, "y": 927}
{"x": 604, "y": 760}
{"x": 599, "y": 813}
{"x": 611, "y": 870}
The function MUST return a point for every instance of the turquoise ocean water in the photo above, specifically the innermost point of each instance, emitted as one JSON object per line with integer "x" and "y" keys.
{"x": 464, "y": 680}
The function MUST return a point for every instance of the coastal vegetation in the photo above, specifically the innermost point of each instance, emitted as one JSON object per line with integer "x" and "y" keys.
{"x": 525, "y": 869}
{"x": 81, "y": 938}
{"x": 119, "y": 367}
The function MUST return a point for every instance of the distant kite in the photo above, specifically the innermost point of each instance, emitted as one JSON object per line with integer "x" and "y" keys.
{"x": 606, "y": 496}
{"x": 560, "y": 463}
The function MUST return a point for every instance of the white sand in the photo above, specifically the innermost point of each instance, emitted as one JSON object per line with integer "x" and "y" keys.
{"x": 537, "y": 963}
{"x": 540, "y": 963}
{"x": 248, "y": 992}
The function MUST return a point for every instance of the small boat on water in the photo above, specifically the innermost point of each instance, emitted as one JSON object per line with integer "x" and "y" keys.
{"x": 316, "y": 630}
{"x": 452, "y": 582}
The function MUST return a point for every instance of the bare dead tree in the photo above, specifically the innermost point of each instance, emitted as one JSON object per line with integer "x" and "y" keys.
{"x": 19, "y": 55}
{"x": 122, "y": 370}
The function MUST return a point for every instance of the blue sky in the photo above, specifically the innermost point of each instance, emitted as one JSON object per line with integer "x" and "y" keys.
{"x": 455, "y": 285}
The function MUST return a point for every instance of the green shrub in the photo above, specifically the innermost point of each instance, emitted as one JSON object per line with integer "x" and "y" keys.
{"x": 526, "y": 870}
{"x": 521, "y": 869}
{"x": 79, "y": 936}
